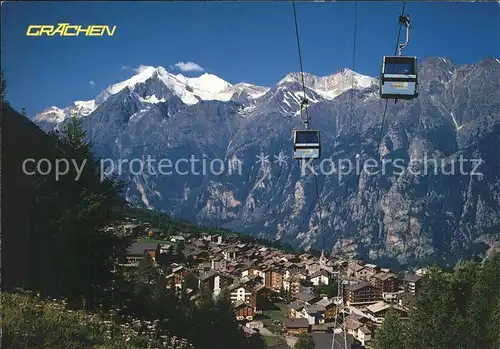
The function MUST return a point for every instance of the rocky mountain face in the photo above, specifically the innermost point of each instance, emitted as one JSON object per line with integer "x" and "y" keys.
{"x": 429, "y": 191}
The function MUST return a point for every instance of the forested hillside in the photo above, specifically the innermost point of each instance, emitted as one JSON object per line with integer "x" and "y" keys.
{"x": 57, "y": 248}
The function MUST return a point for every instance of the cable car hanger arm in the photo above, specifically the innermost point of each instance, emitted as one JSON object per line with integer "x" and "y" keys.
{"x": 404, "y": 20}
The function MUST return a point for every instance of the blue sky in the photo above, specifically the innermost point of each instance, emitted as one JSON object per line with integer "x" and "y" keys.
{"x": 238, "y": 41}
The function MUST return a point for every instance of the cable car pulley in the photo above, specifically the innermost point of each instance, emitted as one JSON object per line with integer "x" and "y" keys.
{"x": 398, "y": 77}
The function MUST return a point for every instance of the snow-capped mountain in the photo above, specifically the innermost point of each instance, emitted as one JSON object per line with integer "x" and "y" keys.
{"x": 332, "y": 86}
{"x": 404, "y": 216}
{"x": 156, "y": 84}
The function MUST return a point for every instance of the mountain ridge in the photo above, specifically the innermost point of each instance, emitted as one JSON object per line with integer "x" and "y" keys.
{"x": 391, "y": 215}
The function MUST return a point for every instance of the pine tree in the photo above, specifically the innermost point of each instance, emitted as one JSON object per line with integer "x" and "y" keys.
{"x": 74, "y": 257}
{"x": 484, "y": 307}
{"x": 305, "y": 341}
{"x": 391, "y": 334}
{"x": 3, "y": 89}
{"x": 435, "y": 322}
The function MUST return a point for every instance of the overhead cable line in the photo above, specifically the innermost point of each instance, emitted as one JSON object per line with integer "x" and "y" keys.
{"x": 387, "y": 101}
{"x": 303, "y": 104}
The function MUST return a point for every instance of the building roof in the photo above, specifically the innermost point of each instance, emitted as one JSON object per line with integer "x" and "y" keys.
{"x": 296, "y": 323}
{"x": 358, "y": 286}
{"x": 356, "y": 266}
{"x": 412, "y": 277}
{"x": 365, "y": 330}
{"x": 377, "y": 307}
{"x": 241, "y": 304}
{"x": 324, "y": 302}
{"x": 314, "y": 309}
{"x": 139, "y": 248}
{"x": 352, "y": 324}
{"x": 384, "y": 276}
{"x": 208, "y": 275}
{"x": 305, "y": 295}
{"x": 320, "y": 272}
{"x": 296, "y": 305}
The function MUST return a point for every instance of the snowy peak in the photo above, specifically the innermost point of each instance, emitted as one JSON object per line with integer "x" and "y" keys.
{"x": 144, "y": 75}
{"x": 84, "y": 108}
{"x": 208, "y": 82}
{"x": 332, "y": 86}
{"x": 57, "y": 115}
{"x": 52, "y": 114}
{"x": 189, "y": 90}
{"x": 155, "y": 85}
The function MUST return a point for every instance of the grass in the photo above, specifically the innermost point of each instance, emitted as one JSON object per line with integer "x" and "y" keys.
{"x": 277, "y": 314}
{"x": 153, "y": 240}
{"x": 31, "y": 322}
{"x": 273, "y": 341}
{"x": 273, "y": 319}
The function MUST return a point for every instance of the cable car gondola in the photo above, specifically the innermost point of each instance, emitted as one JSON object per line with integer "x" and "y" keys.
{"x": 398, "y": 79}
{"x": 306, "y": 144}
{"x": 398, "y": 76}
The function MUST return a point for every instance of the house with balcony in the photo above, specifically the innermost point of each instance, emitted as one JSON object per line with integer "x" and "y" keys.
{"x": 412, "y": 283}
{"x": 243, "y": 311}
{"x": 321, "y": 277}
{"x": 214, "y": 282}
{"x": 363, "y": 292}
{"x": 138, "y": 250}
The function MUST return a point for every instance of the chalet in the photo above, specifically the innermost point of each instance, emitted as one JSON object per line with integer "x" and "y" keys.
{"x": 315, "y": 314}
{"x": 216, "y": 239}
{"x": 353, "y": 267}
{"x": 364, "y": 335}
{"x": 243, "y": 311}
{"x": 386, "y": 282}
{"x": 292, "y": 284}
{"x": 378, "y": 311}
{"x": 312, "y": 266}
{"x": 305, "y": 257}
{"x": 252, "y": 281}
{"x": 321, "y": 277}
{"x": 214, "y": 281}
{"x": 332, "y": 310}
{"x": 243, "y": 247}
{"x": 138, "y": 250}
{"x": 219, "y": 264}
{"x": 262, "y": 298}
{"x": 296, "y": 326}
{"x": 295, "y": 309}
{"x": 293, "y": 269}
{"x": 372, "y": 269}
{"x": 229, "y": 253}
{"x": 177, "y": 238}
{"x": 306, "y": 295}
{"x": 273, "y": 279}
{"x": 421, "y": 271}
{"x": 132, "y": 229}
{"x": 201, "y": 244}
{"x": 241, "y": 293}
{"x": 233, "y": 267}
{"x": 196, "y": 254}
{"x": 405, "y": 299}
{"x": 412, "y": 283}
{"x": 177, "y": 276}
{"x": 363, "y": 293}
{"x": 249, "y": 270}
{"x": 357, "y": 327}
